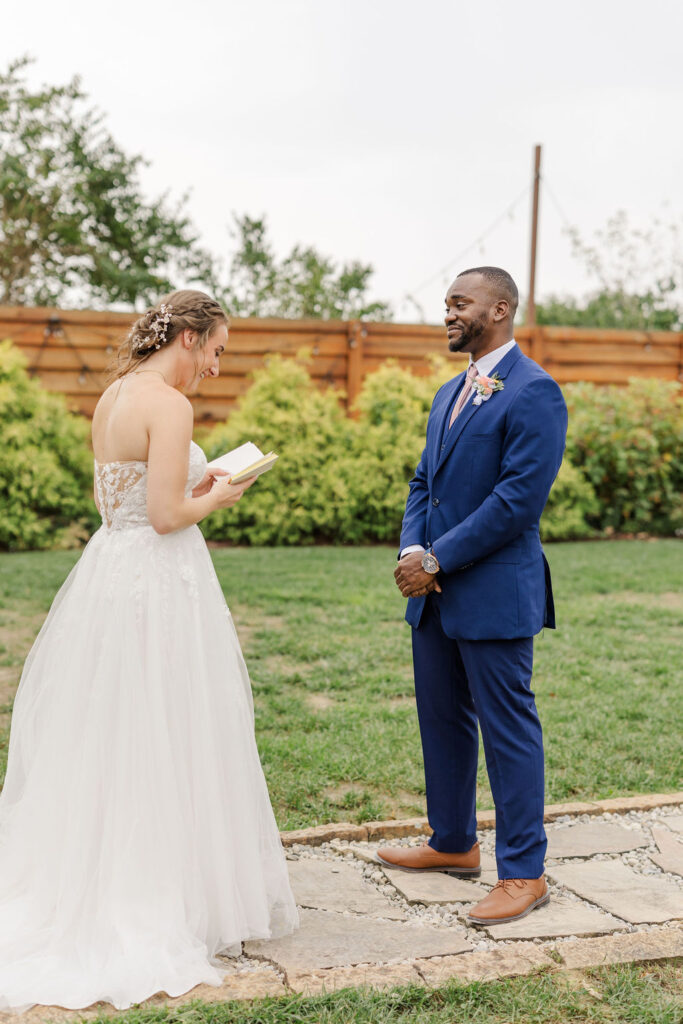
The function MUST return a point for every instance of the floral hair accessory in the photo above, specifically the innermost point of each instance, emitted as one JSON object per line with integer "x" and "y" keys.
{"x": 160, "y": 324}
{"x": 158, "y": 327}
{"x": 485, "y": 387}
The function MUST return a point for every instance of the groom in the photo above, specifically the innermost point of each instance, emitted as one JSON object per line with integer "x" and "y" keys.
{"x": 478, "y": 584}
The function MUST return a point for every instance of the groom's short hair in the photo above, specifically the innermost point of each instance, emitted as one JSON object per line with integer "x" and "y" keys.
{"x": 501, "y": 282}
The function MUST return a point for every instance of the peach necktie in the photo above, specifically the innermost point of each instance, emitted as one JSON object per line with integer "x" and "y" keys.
{"x": 465, "y": 393}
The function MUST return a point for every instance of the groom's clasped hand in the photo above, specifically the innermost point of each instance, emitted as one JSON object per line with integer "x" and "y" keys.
{"x": 411, "y": 579}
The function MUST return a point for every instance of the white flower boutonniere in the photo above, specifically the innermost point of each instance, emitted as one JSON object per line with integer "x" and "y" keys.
{"x": 484, "y": 387}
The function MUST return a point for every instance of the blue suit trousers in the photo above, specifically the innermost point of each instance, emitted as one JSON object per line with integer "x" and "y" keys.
{"x": 459, "y": 684}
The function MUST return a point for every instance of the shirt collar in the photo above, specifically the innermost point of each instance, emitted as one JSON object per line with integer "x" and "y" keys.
{"x": 486, "y": 364}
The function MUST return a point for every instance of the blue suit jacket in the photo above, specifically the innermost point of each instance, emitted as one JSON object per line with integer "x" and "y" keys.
{"x": 477, "y": 497}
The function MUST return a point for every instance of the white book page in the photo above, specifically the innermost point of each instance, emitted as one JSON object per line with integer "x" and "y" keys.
{"x": 238, "y": 459}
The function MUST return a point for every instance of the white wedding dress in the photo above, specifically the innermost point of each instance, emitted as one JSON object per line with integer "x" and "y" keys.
{"x": 137, "y": 839}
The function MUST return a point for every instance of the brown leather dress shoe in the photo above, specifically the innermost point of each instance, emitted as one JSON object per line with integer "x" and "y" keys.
{"x": 510, "y": 899}
{"x": 425, "y": 858}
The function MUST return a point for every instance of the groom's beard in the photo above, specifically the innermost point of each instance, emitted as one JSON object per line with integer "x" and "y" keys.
{"x": 470, "y": 333}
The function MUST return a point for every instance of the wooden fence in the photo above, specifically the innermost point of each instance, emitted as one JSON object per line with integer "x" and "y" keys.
{"x": 69, "y": 351}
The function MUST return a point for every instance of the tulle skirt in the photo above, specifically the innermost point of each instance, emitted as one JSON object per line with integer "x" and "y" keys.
{"x": 137, "y": 840}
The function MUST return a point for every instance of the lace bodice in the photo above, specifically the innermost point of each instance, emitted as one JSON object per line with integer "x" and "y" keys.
{"x": 122, "y": 489}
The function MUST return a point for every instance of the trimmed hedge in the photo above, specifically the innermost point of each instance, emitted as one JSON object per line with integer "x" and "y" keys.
{"x": 345, "y": 480}
{"x": 46, "y": 469}
{"x": 627, "y": 442}
{"x": 342, "y": 480}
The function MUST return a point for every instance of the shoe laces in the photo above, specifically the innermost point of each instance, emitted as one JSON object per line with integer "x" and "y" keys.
{"x": 507, "y": 884}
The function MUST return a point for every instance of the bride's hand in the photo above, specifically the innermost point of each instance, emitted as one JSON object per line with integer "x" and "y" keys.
{"x": 227, "y": 494}
{"x": 205, "y": 485}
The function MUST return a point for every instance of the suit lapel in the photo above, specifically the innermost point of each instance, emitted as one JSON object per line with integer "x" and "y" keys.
{"x": 450, "y": 437}
{"x": 447, "y": 398}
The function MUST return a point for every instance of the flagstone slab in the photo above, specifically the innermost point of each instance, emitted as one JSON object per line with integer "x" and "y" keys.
{"x": 591, "y": 837}
{"x": 644, "y": 802}
{"x": 333, "y": 885}
{"x": 509, "y": 961}
{"x": 622, "y": 949}
{"x": 327, "y": 939}
{"x": 248, "y": 985}
{"x": 368, "y": 854}
{"x": 489, "y": 870}
{"x": 319, "y": 834}
{"x": 637, "y": 898}
{"x": 314, "y": 983}
{"x": 397, "y": 828}
{"x": 670, "y": 856}
{"x": 434, "y": 887}
{"x": 488, "y": 863}
{"x": 674, "y": 822}
{"x": 561, "y": 917}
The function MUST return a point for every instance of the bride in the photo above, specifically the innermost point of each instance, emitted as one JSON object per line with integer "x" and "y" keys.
{"x": 137, "y": 840}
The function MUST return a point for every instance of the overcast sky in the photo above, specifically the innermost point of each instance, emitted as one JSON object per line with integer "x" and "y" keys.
{"x": 390, "y": 131}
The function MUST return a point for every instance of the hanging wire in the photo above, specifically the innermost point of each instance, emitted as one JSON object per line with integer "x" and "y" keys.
{"x": 547, "y": 190}
{"x": 55, "y": 329}
{"x": 477, "y": 241}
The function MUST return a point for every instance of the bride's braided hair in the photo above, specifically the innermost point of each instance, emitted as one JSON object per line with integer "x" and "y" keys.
{"x": 162, "y": 324}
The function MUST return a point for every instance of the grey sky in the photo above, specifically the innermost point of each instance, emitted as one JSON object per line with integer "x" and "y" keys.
{"x": 389, "y": 131}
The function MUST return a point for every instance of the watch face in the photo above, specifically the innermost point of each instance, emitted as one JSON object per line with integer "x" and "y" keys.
{"x": 429, "y": 563}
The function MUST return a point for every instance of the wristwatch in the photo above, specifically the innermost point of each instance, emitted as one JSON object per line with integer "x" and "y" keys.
{"x": 430, "y": 563}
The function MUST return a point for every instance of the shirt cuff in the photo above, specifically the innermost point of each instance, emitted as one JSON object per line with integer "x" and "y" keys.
{"x": 411, "y": 547}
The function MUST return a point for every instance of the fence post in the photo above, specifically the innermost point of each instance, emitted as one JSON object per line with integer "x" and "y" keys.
{"x": 536, "y": 344}
{"x": 354, "y": 363}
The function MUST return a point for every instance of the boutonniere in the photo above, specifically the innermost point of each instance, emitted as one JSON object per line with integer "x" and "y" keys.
{"x": 485, "y": 387}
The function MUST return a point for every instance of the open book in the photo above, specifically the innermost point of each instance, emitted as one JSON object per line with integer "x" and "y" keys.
{"x": 244, "y": 462}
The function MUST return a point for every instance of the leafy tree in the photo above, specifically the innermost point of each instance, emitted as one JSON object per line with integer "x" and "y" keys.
{"x": 304, "y": 284}
{"x": 640, "y": 275}
{"x": 73, "y": 223}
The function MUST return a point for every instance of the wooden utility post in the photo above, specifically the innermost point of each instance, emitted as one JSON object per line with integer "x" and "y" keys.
{"x": 531, "y": 304}
{"x": 354, "y": 365}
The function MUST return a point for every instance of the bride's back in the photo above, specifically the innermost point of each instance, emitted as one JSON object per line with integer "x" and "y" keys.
{"x": 120, "y": 425}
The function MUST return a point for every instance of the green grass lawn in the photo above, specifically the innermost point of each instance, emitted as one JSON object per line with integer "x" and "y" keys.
{"x": 633, "y": 993}
{"x": 329, "y": 656}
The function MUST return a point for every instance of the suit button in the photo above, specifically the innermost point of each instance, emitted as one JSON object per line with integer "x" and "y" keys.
{"x": 435, "y": 502}
{"x": 443, "y": 447}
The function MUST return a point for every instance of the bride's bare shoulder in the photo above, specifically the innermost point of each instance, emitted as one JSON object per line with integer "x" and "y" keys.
{"x": 167, "y": 400}
{"x": 155, "y": 401}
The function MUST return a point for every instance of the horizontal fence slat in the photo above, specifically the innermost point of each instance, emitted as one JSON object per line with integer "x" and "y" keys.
{"x": 420, "y": 367}
{"x": 212, "y": 409}
{"x": 399, "y": 348}
{"x": 71, "y": 382}
{"x": 598, "y": 353}
{"x": 572, "y": 374}
{"x": 609, "y": 335}
{"x": 59, "y": 358}
{"x": 270, "y": 344}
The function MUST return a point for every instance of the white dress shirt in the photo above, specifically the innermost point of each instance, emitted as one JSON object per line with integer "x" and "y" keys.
{"x": 485, "y": 365}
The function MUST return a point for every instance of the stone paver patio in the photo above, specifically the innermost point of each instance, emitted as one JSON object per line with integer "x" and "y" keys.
{"x": 616, "y": 879}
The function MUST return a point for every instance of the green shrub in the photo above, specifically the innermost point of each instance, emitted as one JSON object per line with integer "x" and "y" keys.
{"x": 345, "y": 480}
{"x": 342, "y": 480}
{"x": 627, "y": 443}
{"x": 299, "y": 501}
{"x": 571, "y": 507}
{"x": 392, "y": 410}
{"x": 45, "y": 465}
{"x": 338, "y": 480}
